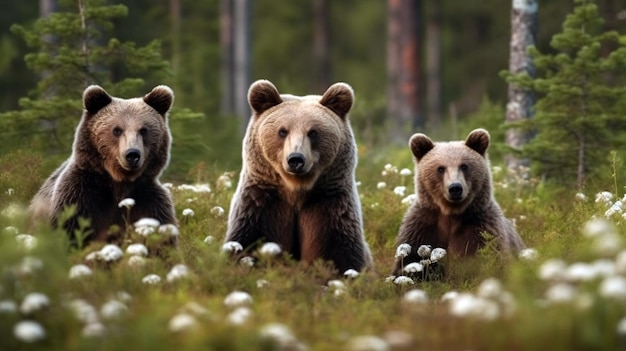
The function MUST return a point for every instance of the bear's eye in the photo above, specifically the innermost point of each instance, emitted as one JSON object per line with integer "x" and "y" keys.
{"x": 464, "y": 167}
{"x": 312, "y": 134}
{"x": 143, "y": 131}
{"x": 282, "y": 132}
{"x": 441, "y": 169}
{"x": 117, "y": 131}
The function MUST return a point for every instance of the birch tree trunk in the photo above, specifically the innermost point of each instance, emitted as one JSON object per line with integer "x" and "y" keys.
{"x": 320, "y": 46}
{"x": 403, "y": 68}
{"x": 521, "y": 101}
{"x": 227, "y": 102}
{"x": 241, "y": 48}
{"x": 433, "y": 65}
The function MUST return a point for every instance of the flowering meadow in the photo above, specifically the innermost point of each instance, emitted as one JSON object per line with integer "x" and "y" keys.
{"x": 567, "y": 291}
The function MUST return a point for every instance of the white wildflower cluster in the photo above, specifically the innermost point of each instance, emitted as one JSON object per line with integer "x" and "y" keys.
{"x": 409, "y": 199}
{"x": 490, "y": 302}
{"x": 177, "y": 272}
{"x": 232, "y": 247}
{"x": 26, "y": 242}
{"x": 270, "y": 249}
{"x": 605, "y": 240}
{"x": 351, "y": 273}
{"x": 381, "y": 185}
{"x": 415, "y": 296}
{"x": 389, "y": 169}
{"x": 27, "y": 266}
{"x": 217, "y": 211}
{"x": 281, "y": 336}
{"x": 238, "y": 301}
{"x": 399, "y": 190}
{"x": 108, "y": 253}
{"x": 92, "y": 318}
{"x": 224, "y": 181}
{"x": 148, "y": 226}
{"x": 29, "y": 331}
{"x": 428, "y": 256}
{"x": 195, "y": 188}
{"x": 79, "y": 271}
{"x": 186, "y": 317}
{"x": 336, "y": 287}
{"x": 187, "y": 212}
{"x": 127, "y": 203}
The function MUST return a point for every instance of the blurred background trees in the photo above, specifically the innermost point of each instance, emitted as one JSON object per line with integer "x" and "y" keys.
{"x": 445, "y": 66}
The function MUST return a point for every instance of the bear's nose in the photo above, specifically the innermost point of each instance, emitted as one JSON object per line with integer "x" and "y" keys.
{"x": 296, "y": 162}
{"x": 456, "y": 191}
{"x": 132, "y": 157}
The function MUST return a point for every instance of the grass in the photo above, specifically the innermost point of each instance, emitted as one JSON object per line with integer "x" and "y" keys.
{"x": 300, "y": 297}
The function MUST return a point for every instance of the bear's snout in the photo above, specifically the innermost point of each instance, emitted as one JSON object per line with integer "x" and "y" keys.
{"x": 133, "y": 157}
{"x": 455, "y": 190}
{"x": 296, "y": 161}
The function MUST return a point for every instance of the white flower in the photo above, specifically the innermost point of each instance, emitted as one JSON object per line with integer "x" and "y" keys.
{"x": 80, "y": 270}
{"x": 247, "y": 261}
{"x": 561, "y": 293}
{"x": 367, "y": 343}
{"x": 437, "y": 254}
{"x": 336, "y": 284}
{"x": 188, "y": 212}
{"x": 490, "y": 288}
{"x": 608, "y": 244}
{"x": 403, "y": 250}
{"x": 409, "y": 200}
{"x": 405, "y": 172}
{"x": 270, "y": 249}
{"x": 616, "y": 208}
{"x": 8, "y": 307}
{"x": 580, "y": 272}
{"x": 237, "y": 298}
{"x": 182, "y": 322}
{"x": 113, "y": 309}
{"x": 604, "y": 197}
{"x": 581, "y": 197}
{"x": 26, "y": 241}
{"x": 262, "y": 283}
{"x": 137, "y": 250}
{"x": 232, "y": 247}
{"x": 604, "y": 267}
{"x": 281, "y": 335}
{"x": 209, "y": 239}
{"x": 424, "y": 251}
{"x": 391, "y": 168}
{"x": 127, "y": 202}
{"x": 196, "y": 188}
{"x": 151, "y": 279}
{"x": 169, "y": 229}
{"x": 83, "y": 311}
{"x": 239, "y": 316}
{"x": 217, "y": 211}
{"x": 93, "y": 329}
{"x": 597, "y": 227}
{"x": 351, "y": 273}
{"x": 415, "y": 296}
{"x": 390, "y": 278}
{"x": 449, "y": 296}
{"x": 177, "y": 272}
{"x": 29, "y": 331}
{"x": 147, "y": 222}
{"x": 136, "y": 261}
{"x": 528, "y": 254}
{"x": 110, "y": 253}
{"x": 468, "y": 305}
{"x": 614, "y": 288}
{"x": 403, "y": 280}
{"x": 381, "y": 185}
{"x": 11, "y": 230}
{"x": 552, "y": 269}
{"x": 34, "y": 302}
{"x": 224, "y": 181}
{"x": 399, "y": 190}
{"x": 414, "y": 267}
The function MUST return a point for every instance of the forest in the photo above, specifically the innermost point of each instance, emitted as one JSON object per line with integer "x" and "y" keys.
{"x": 547, "y": 79}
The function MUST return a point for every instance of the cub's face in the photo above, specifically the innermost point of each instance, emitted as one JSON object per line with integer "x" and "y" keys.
{"x": 298, "y": 137}
{"x": 453, "y": 174}
{"x": 300, "y": 140}
{"x": 129, "y": 134}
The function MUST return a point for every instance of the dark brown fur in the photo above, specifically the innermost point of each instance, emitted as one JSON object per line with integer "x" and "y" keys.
{"x": 313, "y": 214}
{"x": 439, "y": 219}
{"x": 97, "y": 176}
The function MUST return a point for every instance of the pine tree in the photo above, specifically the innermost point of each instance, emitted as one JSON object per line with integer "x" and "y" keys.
{"x": 71, "y": 50}
{"x": 579, "y": 87}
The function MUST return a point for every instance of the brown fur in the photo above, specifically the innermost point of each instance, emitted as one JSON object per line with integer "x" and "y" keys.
{"x": 455, "y": 202}
{"x": 120, "y": 148}
{"x": 312, "y": 210}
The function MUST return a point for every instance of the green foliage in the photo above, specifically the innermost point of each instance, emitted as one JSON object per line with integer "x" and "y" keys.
{"x": 580, "y": 88}
{"x": 71, "y": 50}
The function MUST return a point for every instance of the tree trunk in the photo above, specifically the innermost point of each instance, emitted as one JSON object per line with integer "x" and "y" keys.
{"x": 175, "y": 16}
{"x": 521, "y": 101}
{"x": 241, "y": 28}
{"x": 433, "y": 65}
{"x": 403, "y": 68}
{"x": 320, "y": 46}
{"x": 227, "y": 102}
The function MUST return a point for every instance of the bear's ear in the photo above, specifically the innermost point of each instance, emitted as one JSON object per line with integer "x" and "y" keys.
{"x": 263, "y": 95}
{"x": 420, "y": 145}
{"x": 160, "y": 99}
{"x": 339, "y": 98}
{"x": 95, "y": 98}
{"x": 478, "y": 140}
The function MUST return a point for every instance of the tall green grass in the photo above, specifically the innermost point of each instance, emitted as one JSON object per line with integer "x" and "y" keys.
{"x": 320, "y": 315}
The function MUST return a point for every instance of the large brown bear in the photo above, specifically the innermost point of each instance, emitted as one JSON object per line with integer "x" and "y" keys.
{"x": 297, "y": 186}
{"x": 455, "y": 204}
{"x": 120, "y": 148}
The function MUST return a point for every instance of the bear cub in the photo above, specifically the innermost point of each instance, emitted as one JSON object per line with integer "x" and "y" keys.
{"x": 455, "y": 204}
{"x": 121, "y": 147}
{"x": 297, "y": 185}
